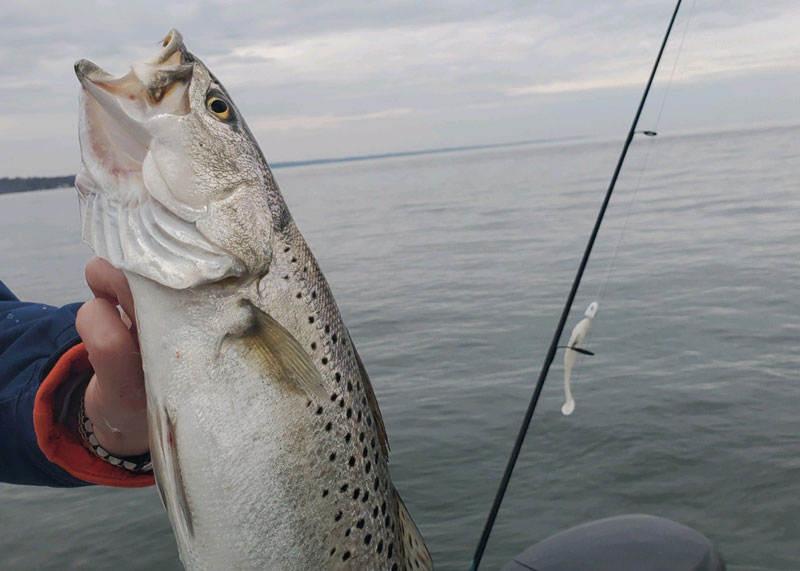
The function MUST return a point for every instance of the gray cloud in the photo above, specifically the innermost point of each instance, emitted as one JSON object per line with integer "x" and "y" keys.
{"x": 323, "y": 78}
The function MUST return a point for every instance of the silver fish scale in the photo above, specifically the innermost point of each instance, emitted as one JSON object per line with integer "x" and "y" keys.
{"x": 364, "y": 529}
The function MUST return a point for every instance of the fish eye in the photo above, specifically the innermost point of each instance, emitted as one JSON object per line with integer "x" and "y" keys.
{"x": 218, "y": 107}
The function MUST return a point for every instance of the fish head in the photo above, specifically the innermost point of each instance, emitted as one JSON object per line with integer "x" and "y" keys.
{"x": 172, "y": 182}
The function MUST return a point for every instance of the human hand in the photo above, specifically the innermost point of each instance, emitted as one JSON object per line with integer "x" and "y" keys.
{"x": 115, "y": 399}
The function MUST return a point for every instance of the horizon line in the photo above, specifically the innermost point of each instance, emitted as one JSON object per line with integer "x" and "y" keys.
{"x": 736, "y": 127}
{"x": 429, "y": 151}
{"x": 377, "y": 156}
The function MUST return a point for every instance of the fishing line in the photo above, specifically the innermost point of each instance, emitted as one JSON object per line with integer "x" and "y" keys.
{"x": 565, "y": 312}
{"x": 652, "y": 136}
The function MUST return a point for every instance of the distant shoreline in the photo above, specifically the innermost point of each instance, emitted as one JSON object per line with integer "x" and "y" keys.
{"x": 23, "y": 184}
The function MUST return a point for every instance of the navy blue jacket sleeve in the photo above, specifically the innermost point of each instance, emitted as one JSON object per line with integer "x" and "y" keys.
{"x": 32, "y": 338}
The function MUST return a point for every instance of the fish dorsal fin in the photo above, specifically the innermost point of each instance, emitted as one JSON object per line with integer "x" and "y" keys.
{"x": 278, "y": 352}
{"x": 416, "y": 552}
{"x": 372, "y": 400}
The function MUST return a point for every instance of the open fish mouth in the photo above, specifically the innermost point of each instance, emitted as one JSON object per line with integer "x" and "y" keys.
{"x": 136, "y": 186}
{"x": 115, "y": 111}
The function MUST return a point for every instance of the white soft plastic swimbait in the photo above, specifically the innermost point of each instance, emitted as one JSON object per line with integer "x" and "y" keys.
{"x": 571, "y": 355}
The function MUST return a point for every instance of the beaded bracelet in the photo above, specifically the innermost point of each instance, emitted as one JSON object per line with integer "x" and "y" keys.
{"x": 138, "y": 464}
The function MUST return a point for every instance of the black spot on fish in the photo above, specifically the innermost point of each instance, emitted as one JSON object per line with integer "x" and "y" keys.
{"x": 361, "y": 437}
{"x": 394, "y": 567}
{"x": 367, "y": 538}
{"x": 286, "y": 249}
{"x": 314, "y": 348}
{"x": 341, "y": 403}
{"x": 375, "y": 512}
{"x": 334, "y": 396}
{"x": 333, "y": 550}
{"x": 358, "y": 417}
{"x": 329, "y": 426}
{"x": 333, "y": 337}
{"x": 365, "y": 496}
{"x": 332, "y": 457}
{"x": 324, "y": 360}
{"x": 338, "y": 516}
{"x": 375, "y": 487}
{"x": 313, "y": 295}
{"x": 319, "y": 410}
{"x": 346, "y": 555}
{"x": 352, "y": 461}
{"x": 327, "y": 329}
{"x": 383, "y": 505}
{"x": 372, "y": 442}
{"x": 347, "y": 533}
{"x": 380, "y": 546}
{"x": 324, "y": 493}
{"x": 364, "y": 452}
{"x": 368, "y": 467}
{"x": 349, "y": 412}
{"x": 311, "y": 319}
{"x": 360, "y": 523}
{"x": 344, "y": 488}
{"x": 356, "y": 492}
{"x": 349, "y": 387}
{"x": 347, "y": 437}
{"x": 389, "y": 550}
{"x": 338, "y": 377}
{"x": 294, "y": 259}
{"x": 386, "y": 521}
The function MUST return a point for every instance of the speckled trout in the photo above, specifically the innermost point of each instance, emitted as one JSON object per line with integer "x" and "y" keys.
{"x": 267, "y": 440}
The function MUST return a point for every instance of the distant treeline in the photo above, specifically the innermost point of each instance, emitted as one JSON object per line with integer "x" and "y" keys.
{"x": 34, "y": 183}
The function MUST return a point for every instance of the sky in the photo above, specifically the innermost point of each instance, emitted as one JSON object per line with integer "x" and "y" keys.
{"x": 329, "y": 79}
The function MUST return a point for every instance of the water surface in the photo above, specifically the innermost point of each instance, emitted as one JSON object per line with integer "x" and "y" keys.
{"x": 450, "y": 271}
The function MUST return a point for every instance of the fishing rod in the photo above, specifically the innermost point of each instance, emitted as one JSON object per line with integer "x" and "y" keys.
{"x": 551, "y": 352}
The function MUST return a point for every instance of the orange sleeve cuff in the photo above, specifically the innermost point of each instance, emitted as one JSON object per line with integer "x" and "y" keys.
{"x": 64, "y": 448}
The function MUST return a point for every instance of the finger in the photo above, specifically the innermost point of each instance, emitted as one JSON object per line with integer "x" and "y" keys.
{"x": 114, "y": 355}
{"x": 108, "y": 282}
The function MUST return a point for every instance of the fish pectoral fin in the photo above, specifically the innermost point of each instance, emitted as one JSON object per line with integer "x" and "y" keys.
{"x": 278, "y": 352}
{"x": 415, "y": 551}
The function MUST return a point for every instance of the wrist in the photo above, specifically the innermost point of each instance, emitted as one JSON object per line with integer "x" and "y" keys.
{"x": 118, "y": 442}
{"x": 139, "y": 463}
{"x": 125, "y": 434}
